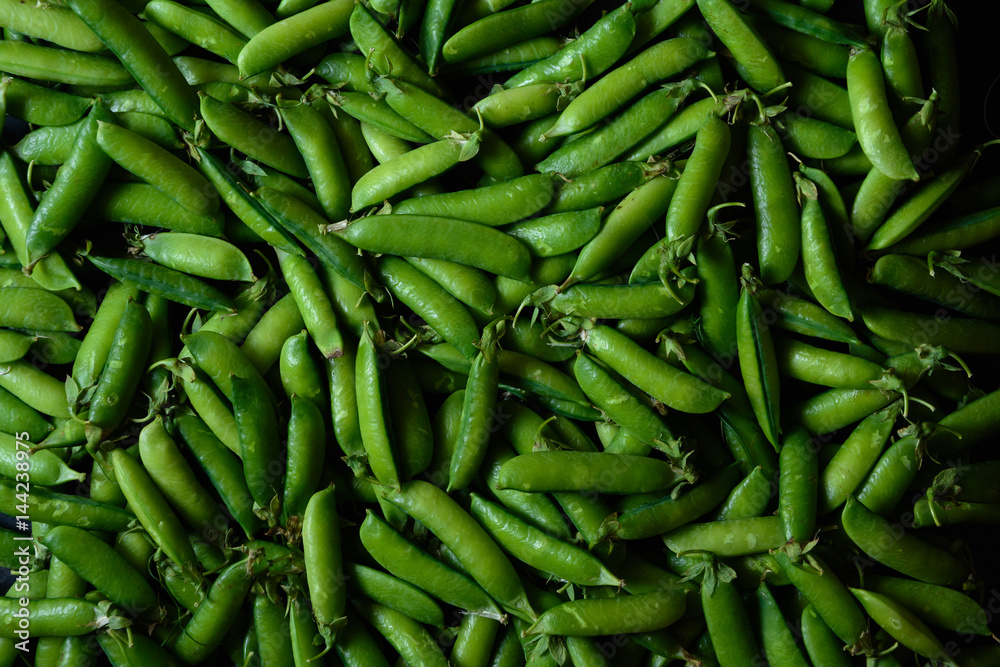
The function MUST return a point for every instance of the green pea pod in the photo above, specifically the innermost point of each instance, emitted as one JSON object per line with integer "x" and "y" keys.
{"x": 50, "y": 617}
{"x": 153, "y": 512}
{"x": 263, "y": 344}
{"x": 223, "y": 469}
{"x": 695, "y": 188}
{"x": 804, "y": 362}
{"x": 779, "y": 233}
{"x": 46, "y": 468}
{"x": 210, "y": 34}
{"x": 26, "y": 308}
{"x": 257, "y": 425}
{"x": 36, "y": 389}
{"x": 406, "y": 635}
{"x": 275, "y": 43}
{"x": 122, "y": 373}
{"x": 804, "y": 317}
{"x": 167, "y": 283}
{"x": 314, "y": 306}
{"x": 375, "y": 427}
{"x": 142, "y": 204}
{"x": 958, "y": 233}
{"x": 777, "y": 639}
{"x": 824, "y": 648}
{"x": 324, "y": 570}
{"x": 797, "y": 494}
{"x": 718, "y": 290}
{"x": 491, "y": 205}
{"x": 903, "y": 626}
{"x": 755, "y": 63}
{"x": 891, "y": 545}
{"x": 644, "y": 612}
{"x": 819, "y": 262}
{"x": 274, "y": 644}
{"x": 207, "y": 627}
{"x": 477, "y": 412}
{"x": 664, "y": 383}
{"x": 299, "y": 375}
{"x": 15, "y": 414}
{"x": 855, "y": 458}
{"x": 758, "y": 363}
{"x": 809, "y": 137}
{"x": 731, "y": 537}
{"x": 61, "y": 66}
{"x": 960, "y": 334}
{"x": 323, "y": 157}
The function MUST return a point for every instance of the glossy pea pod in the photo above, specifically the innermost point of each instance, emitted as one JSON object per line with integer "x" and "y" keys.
{"x": 824, "y": 648}
{"x": 207, "y": 627}
{"x": 492, "y": 205}
{"x": 323, "y": 561}
{"x": 819, "y": 261}
{"x": 903, "y": 626}
{"x": 695, "y": 187}
{"x": 805, "y": 362}
{"x": 729, "y": 537}
{"x": 758, "y": 361}
{"x": 411, "y": 423}
{"x": 39, "y": 310}
{"x": 257, "y": 426}
{"x": 599, "y": 472}
{"x": 779, "y": 233}
{"x": 797, "y": 486}
{"x": 477, "y": 412}
{"x": 314, "y": 306}
{"x": 754, "y": 60}
{"x": 299, "y": 375}
{"x": 275, "y": 42}
{"x": 263, "y": 344}
{"x": 167, "y": 283}
{"x": 406, "y": 635}
{"x": 375, "y": 426}
{"x": 910, "y": 275}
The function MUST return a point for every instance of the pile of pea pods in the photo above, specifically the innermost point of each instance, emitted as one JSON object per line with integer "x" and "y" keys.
{"x": 424, "y": 332}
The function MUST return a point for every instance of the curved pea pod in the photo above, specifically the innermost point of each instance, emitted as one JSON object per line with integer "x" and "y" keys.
{"x": 557, "y": 233}
{"x": 61, "y": 509}
{"x": 375, "y": 427}
{"x": 855, "y": 458}
{"x": 16, "y": 416}
{"x": 758, "y": 363}
{"x": 811, "y": 138}
{"x": 306, "y": 443}
{"x": 635, "y": 300}
{"x": 13, "y": 345}
{"x": 598, "y": 472}
{"x": 102, "y": 566}
{"x": 755, "y": 63}
{"x": 910, "y": 275}
{"x": 691, "y": 199}
{"x": 491, "y": 205}
{"x": 36, "y": 389}
{"x": 39, "y": 310}
{"x": 643, "y": 612}
{"x": 122, "y": 372}
{"x": 46, "y": 468}
{"x": 313, "y": 303}
{"x": 959, "y": 334}
{"x": 830, "y": 599}
{"x": 299, "y": 375}
{"x": 257, "y": 426}
{"x": 385, "y": 54}
{"x": 324, "y": 566}
{"x": 143, "y": 204}
{"x": 406, "y": 635}
{"x": 167, "y": 283}
{"x": 815, "y": 365}
{"x": 779, "y": 229}
{"x": 824, "y": 648}
{"x": 731, "y": 537}
{"x": 666, "y": 513}
{"x": 891, "y": 545}
{"x": 378, "y": 114}
{"x": 657, "y": 378}
{"x": 779, "y": 643}
{"x": 876, "y": 130}
{"x": 733, "y": 637}
{"x": 209, "y": 33}
{"x": 270, "y": 45}
{"x": 804, "y": 317}
{"x": 478, "y": 554}
{"x": 819, "y": 261}
{"x": 477, "y": 412}
{"x": 509, "y": 106}
{"x": 392, "y": 592}
{"x": 718, "y": 292}
{"x": 934, "y": 605}
{"x": 50, "y": 617}
{"x": 797, "y": 486}
{"x": 198, "y": 255}
{"x": 902, "y": 625}
{"x": 958, "y": 233}
{"x": 207, "y": 627}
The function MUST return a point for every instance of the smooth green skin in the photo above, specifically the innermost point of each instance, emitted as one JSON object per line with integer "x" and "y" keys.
{"x": 35, "y": 388}
{"x": 75, "y": 186}
{"x": 39, "y": 310}
{"x": 683, "y": 126}
{"x": 143, "y": 57}
{"x": 624, "y": 226}
{"x": 223, "y": 468}
{"x": 208, "y": 626}
{"x": 639, "y": 301}
{"x": 274, "y": 644}
{"x": 407, "y": 562}
{"x": 297, "y": 219}
{"x": 55, "y": 24}
{"x": 855, "y": 458}
{"x": 316, "y": 141}
{"x": 61, "y": 66}
{"x": 889, "y": 544}
{"x": 903, "y": 625}
{"x": 656, "y": 63}
{"x": 590, "y": 55}
{"x": 497, "y": 31}
{"x": 557, "y": 233}
{"x": 392, "y": 592}
{"x": 829, "y": 597}
{"x": 504, "y": 107}
{"x": 469, "y": 285}
{"x": 719, "y": 293}
{"x": 957, "y": 234}
{"x": 50, "y": 617}
{"x": 535, "y": 509}
{"x": 198, "y": 256}
{"x": 439, "y": 119}
{"x": 249, "y": 135}
{"x": 732, "y": 537}
{"x": 321, "y": 545}
{"x": 99, "y": 564}
{"x": 643, "y": 612}
{"x": 314, "y": 306}
{"x": 441, "y": 238}
{"x": 597, "y": 472}
{"x": 411, "y": 422}
{"x": 247, "y": 16}
{"x": 913, "y": 212}
{"x": 877, "y": 133}
{"x": 959, "y": 334}
{"x": 674, "y": 388}
{"x": 18, "y": 417}
{"x": 210, "y": 34}
{"x": 474, "y": 643}
{"x": 263, "y": 344}
{"x": 158, "y": 167}
{"x": 221, "y": 359}
{"x": 910, "y": 275}
{"x": 302, "y": 632}
{"x": 934, "y": 605}
{"x": 754, "y": 61}
{"x": 243, "y": 205}
{"x": 437, "y": 18}
{"x": 815, "y": 365}
{"x": 279, "y": 41}
{"x": 749, "y": 499}
{"x": 49, "y": 145}
{"x": 47, "y": 469}
{"x": 379, "y": 114}
{"x": 375, "y": 427}
{"x": 779, "y": 643}
{"x": 478, "y": 554}
{"x": 530, "y": 338}
{"x": 39, "y": 105}
{"x": 299, "y": 375}
{"x": 288, "y": 186}
{"x": 410, "y": 639}
{"x": 306, "y": 452}
{"x": 357, "y": 648}
{"x": 819, "y": 261}
{"x": 514, "y": 58}
{"x": 805, "y": 317}
{"x": 779, "y": 234}
{"x": 608, "y": 395}
{"x": 825, "y": 100}
{"x": 665, "y": 513}
{"x": 758, "y": 365}
{"x": 797, "y": 486}
{"x": 697, "y": 183}
{"x": 123, "y": 370}
{"x": 812, "y": 138}
{"x": 257, "y": 426}
{"x": 213, "y": 408}
{"x": 16, "y": 213}
{"x": 492, "y": 205}
{"x": 343, "y": 403}
{"x": 478, "y": 414}
{"x": 399, "y": 174}
{"x": 143, "y": 204}
{"x": 154, "y": 512}
{"x": 729, "y": 626}
{"x": 175, "y": 478}
{"x": 599, "y": 187}
{"x": 823, "y": 647}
